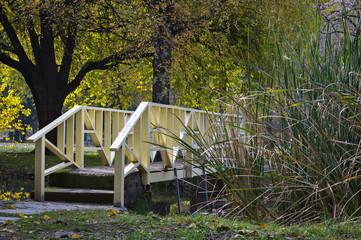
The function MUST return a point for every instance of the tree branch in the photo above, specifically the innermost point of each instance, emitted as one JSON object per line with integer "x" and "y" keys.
{"x": 10, "y": 31}
{"x": 106, "y": 63}
{"x": 68, "y": 52}
{"x": 34, "y": 39}
{"x": 5, "y": 59}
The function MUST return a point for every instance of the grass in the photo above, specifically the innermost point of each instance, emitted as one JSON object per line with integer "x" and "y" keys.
{"x": 107, "y": 224}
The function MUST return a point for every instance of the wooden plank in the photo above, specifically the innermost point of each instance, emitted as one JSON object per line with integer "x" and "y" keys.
{"x": 121, "y": 122}
{"x": 130, "y": 167}
{"x": 39, "y": 177}
{"x": 119, "y": 177}
{"x": 58, "y": 167}
{"x": 144, "y": 142}
{"x": 61, "y": 136}
{"x": 70, "y": 137}
{"x": 107, "y": 134}
{"x": 115, "y": 125}
{"x": 79, "y": 138}
{"x": 87, "y": 121}
{"x": 56, "y": 151}
{"x": 165, "y": 175}
{"x": 99, "y": 125}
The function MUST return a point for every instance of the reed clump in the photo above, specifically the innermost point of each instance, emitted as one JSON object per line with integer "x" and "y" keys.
{"x": 295, "y": 155}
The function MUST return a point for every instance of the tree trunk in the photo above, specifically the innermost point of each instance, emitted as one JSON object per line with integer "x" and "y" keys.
{"x": 162, "y": 61}
{"x": 48, "y": 111}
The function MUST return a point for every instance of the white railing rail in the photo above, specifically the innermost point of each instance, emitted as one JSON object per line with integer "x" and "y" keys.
{"x": 102, "y": 125}
{"x": 144, "y": 135}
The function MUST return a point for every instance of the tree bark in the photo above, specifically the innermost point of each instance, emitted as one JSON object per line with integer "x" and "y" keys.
{"x": 162, "y": 61}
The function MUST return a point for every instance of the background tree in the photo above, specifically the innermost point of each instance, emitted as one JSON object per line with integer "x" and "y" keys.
{"x": 46, "y": 41}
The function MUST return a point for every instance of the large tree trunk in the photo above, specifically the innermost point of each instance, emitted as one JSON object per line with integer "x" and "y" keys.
{"x": 49, "y": 95}
{"x": 48, "y": 110}
{"x": 162, "y": 61}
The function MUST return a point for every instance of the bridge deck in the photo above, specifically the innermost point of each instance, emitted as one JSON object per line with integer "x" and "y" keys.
{"x": 109, "y": 170}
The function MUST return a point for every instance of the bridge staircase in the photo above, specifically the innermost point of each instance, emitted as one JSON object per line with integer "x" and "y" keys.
{"x": 127, "y": 143}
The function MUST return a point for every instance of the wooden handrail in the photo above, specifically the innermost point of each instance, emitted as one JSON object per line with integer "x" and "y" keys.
{"x": 119, "y": 141}
{"x": 54, "y": 124}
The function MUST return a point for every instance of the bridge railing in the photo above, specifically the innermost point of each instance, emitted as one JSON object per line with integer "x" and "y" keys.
{"x": 102, "y": 125}
{"x": 148, "y": 131}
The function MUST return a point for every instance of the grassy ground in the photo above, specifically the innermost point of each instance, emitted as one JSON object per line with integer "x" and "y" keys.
{"x": 109, "y": 224}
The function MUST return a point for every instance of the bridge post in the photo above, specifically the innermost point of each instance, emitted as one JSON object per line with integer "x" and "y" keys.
{"x": 119, "y": 166}
{"x": 39, "y": 178}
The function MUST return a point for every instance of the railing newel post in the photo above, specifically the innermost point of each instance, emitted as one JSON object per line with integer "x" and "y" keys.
{"x": 39, "y": 178}
{"x": 119, "y": 165}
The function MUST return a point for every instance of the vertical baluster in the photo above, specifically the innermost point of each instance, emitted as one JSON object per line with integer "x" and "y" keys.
{"x": 107, "y": 134}
{"x": 70, "y": 137}
{"x": 99, "y": 125}
{"x": 61, "y": 136}
{"x": 79, "y": 138}
{"x": 145, "y": 147}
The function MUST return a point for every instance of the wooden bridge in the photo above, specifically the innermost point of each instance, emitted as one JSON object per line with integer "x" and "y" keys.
{"x": 129, "y": 140}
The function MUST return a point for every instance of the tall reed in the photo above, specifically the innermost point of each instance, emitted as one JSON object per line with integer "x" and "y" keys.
{"x": 296, "y": 157}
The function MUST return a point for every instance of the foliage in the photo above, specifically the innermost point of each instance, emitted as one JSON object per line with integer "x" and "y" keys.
{"x": 14, "y": 196}
{"x": 299, "y": 157}
{"x": 55, "y": 44}
{"x": 11, "y": 107}
{"x": 222, "y": 55}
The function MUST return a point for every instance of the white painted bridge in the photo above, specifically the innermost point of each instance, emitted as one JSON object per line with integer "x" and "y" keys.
{"x": 128, "y": 140}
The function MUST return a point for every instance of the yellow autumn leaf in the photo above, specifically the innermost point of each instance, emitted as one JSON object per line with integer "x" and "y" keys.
{"x": 261, "y": 225}
{"x": 8, "y": 222}
{"x": 112, "y": 211}
{"x": 13, "y": 207}
{"x": 21, "y": 215}
{"x": 15, "y": 238}
{"x": 75, "y": 236}
{"x": 46, "y": 217}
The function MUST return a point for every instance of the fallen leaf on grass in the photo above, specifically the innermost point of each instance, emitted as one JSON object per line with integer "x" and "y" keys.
{"x": 61, "y": 222}
{"x": 75, "y": 236}
{"x": 8, "y": 222}
{"x": 261, "y": 224}
{"x": 21, "y": 215}
{"x": 113, "y": 212}
{"x": 46, "y": 217}
{"x": 13, "y": 207}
